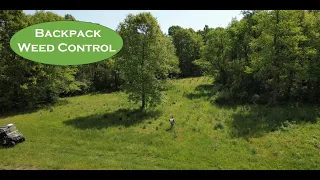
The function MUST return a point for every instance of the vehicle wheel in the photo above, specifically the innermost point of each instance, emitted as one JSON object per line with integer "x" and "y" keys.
{"x": 12, "y": 143}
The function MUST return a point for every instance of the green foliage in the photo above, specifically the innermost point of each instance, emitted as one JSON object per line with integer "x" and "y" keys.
{"x": 100, "y": 76}
{"x": 219, "y": 125}
{"x": 270, "y": 54}
{"x": 146, "y": 59}
{"x": 214, "y": 56}
{"x": 266, "y": 57}
{"x": 187, "y": 43}
{"x": 69, "y": 17}
{"x": 25, "y": 83}
{"x": 204, "y": 33}
{"x": 173, "y": 29}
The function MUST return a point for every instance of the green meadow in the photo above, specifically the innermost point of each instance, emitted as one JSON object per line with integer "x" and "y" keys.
{"x": 105, "y": 131}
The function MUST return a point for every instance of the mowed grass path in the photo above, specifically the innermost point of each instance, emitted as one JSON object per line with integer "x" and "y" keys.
{"x": 104, "y": 131}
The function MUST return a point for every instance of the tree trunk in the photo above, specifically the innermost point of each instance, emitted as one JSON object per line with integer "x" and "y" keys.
{"x": 116, "y": 84}
{"x": 275, "y": 63}
{"x": 143, "y": 103}
{"x": 290, "y": 85}
{"x": 223, "y": 77}
{"x": 143, "y": 94}
{"x": 274, "y": 93}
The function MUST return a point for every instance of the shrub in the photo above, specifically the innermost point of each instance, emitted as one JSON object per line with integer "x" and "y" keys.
{"x": 254, "y": 151}
{"x": 218, "y": 126}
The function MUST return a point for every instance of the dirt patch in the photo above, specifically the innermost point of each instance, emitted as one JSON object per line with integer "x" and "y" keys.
{"x": 179, "y": 139}
{"x": 179, "y": 130}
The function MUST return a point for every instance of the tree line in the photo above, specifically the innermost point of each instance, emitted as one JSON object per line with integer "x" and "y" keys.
{"x": 25, "y": 83}
{"x": 266, "y": 57}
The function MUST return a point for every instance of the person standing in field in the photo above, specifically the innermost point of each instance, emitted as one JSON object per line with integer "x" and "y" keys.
{"x": 172, "y": 122}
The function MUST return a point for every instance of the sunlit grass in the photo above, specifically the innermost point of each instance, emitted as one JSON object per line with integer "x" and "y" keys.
{"x": 105, "y": 131}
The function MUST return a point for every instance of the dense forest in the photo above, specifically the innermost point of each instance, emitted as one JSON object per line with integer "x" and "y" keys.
{"x": 267, "y": 57}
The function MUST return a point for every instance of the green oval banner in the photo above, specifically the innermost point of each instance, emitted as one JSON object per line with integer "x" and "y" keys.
{"x": 66, "y": 43}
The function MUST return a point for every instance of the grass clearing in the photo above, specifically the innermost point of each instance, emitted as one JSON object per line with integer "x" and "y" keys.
{"x": 105, "y": 131}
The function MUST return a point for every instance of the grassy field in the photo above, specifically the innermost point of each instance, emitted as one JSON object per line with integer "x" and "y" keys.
{"x": 105, "y": 131}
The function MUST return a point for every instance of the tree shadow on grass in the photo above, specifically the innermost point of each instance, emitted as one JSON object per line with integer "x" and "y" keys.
{"x": 205, "y": 91}
{"x": 121, "y": 117}
{"x": 208, "y": 91}
{"x": 258, "y": 120}
{"x": 29, "y": 110}
{"x": 253, "y": 120}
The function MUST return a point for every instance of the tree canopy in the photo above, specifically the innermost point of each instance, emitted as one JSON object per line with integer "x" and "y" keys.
{"x": 266, "y": 57}
{"x": 187, "y": 43}
{"x": 272, "y": 55}
{"x": 146, "y": 59}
